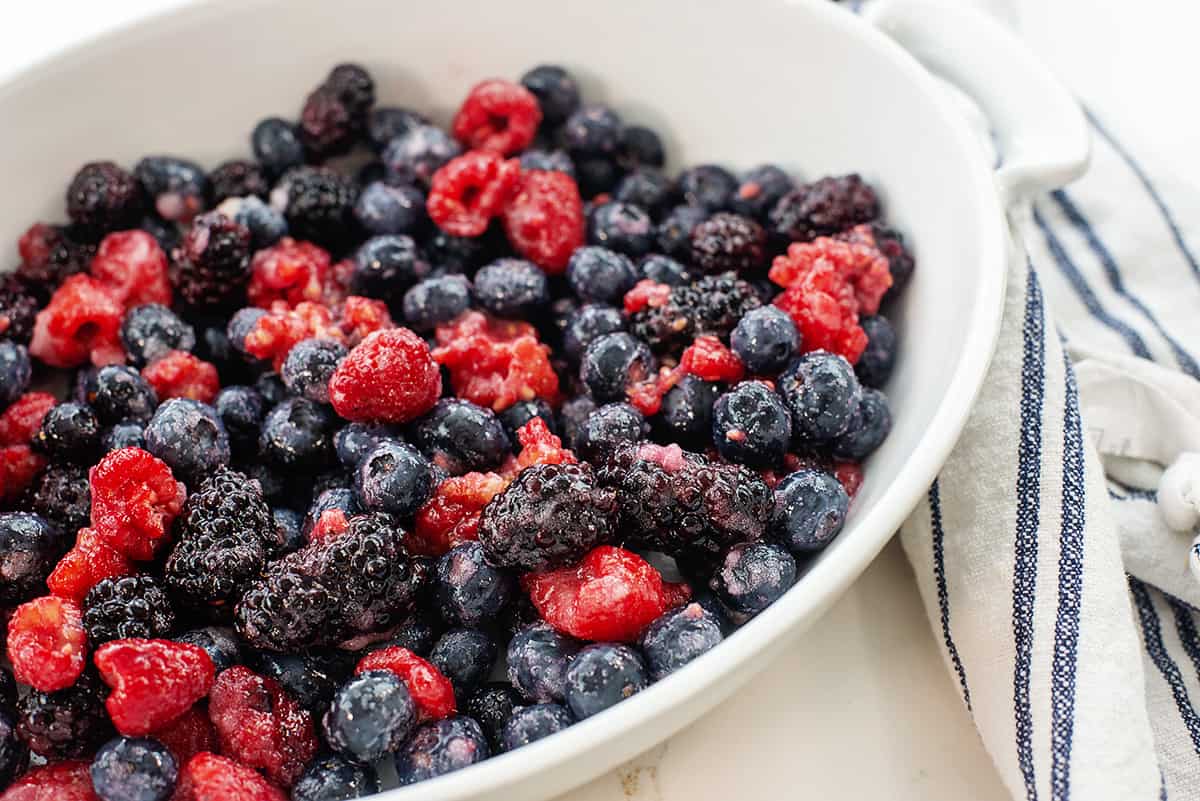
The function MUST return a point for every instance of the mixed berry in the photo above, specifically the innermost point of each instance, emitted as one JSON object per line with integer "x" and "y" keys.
{"x": 416, "y": 462}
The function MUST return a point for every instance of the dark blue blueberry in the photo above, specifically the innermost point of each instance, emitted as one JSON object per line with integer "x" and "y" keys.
{"x": 765, "y": 339}
{"x": 673, "y": 235}
{"x": 441, "y": 747}
{"x": 810, "y": 508}
{"x": 595, "y": 175}
{"x": 372, "y": 171}
{"x": 538, "y": 657}
{"x": 556, "y": 92}
{"x": 276, "y": 145}
{"x": 587, "y": 324}
{"x": 31, "y": 546}
{"x": 297, "y": 433}
{"x": 867, "y": 431}
{"x": 549, "y": 160}
{"x": 385, "y": 123}
{"x": 272, "y": 388}
{"x": 371, "y": 715}
{"x": 456, "y": 254}
{"x": 14, "y": 753}
{"x": 335, "y": 778}
{"x": 622, "y": 227}
{"x": 511, "y": 288}
{"x": 240, "y": 325}
{"x": 220, "y": 644}
{"x": 309, "y": 366}
{"x": 678, "y": 637}
{"x": 709, "y": 186}
{"x": 687, "y": 412}
{"x": 599, "y": 275}
{"x": 607, "y": 427}
{"x": 572, "y": 416}
{"x": 150, "y": 331}
{"x": 175, "y": 188}
{"x": 353, "y": 441}
{"x": 900, "y": 261}
{"x": 759, "y": 190}
{"x": 663, "y": 270}
{"x": 612, "y": 363}
{"x": 386, "y": 209}
{"x": 166, "y": 233}
{"x": 438, "y": 300}
{"x": 266, "y": 224}
{"x": 645, "y": 188}
{"x": 592, "y": 131}
{"x": 465, "y": 657}
{"x": 751, "y": 425}
{"x": 340, "y": 498}
{"x": 491, "y": 706}
{"x": 875, "y": 365}
{"x": 823, "y": 394}
{"x": 640, "y": 147}
{"x": 290, "y": 525}
{"x": 334, "y": 478}
{"x": 531, "y": 723}
{"x": 84, "y": 376}
{"x": 271, "y": 481}
{"x": 603, "y": 675}
{"x": 70, "y": 432}
{"x": 15, "y": 371}
{"x": 460, "y": 437}
{"x": 394, "y": 478}
{"x": 521, "y": 413}
{"x": 753, "y": 576}
{"x": 8, "y": 689}
{"x": 133, "y": 769}
{"x": 469, "y": 591}
{"x": 385, "y": 266}
{"x": 418, "y": 633}
{"x": 118, "y": 393}
{"x": 417, "y": 154}
{"x": 123, "y": 435}
{"x": 311, "y": 678}
{"x": 241, "y": 410}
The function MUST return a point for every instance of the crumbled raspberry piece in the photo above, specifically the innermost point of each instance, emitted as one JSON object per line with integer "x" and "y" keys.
{"x": 179, "y": 374}
{"x": 35, "y": 246}
{"x": 208, "y": 777}
{"x": 22, "y": 419}
{"x": 277, "y": 332}
{"x": 388, "y": 377}
{"x": 707, "y": 358}
{"x": 497, "y": 115}
{"x": 469, "y": 190}
{"x": 134, "y": 499}
{"x": 430, "y": 690}
{"x": 850, "y": 474}
{"x": 133, "y": 266}
{"x": 47, "y": 644}
{"x": 451, "y": 516}
{"x": 291, "y": 271}
{"x": 646, "y": 395}
{"x": 822, "y": 305}
{"x": 84, "y": 566}
{"x": 331, "y": 523}
{"x": 857, "y": 260}
{"x": 153, "y": 682}
{"x": 260, "y": 725}
{"x": 495, "y": 363}
{"x": 610, "y": 596}
{"x": 81, "y": 321}
{"x": 670, "y": 458}
{"x": 188, "y": 735}
{"x": 647, "y": 293}
{"x": 544, "y": 219}
{"x": 19, "y": 465}
{"x": 61, "y": 781}
{"x": 676, "y": 593}
{"x": 336, "y": 286}
{"x": 361, "y": 317}
{"x": 539, "y": 445}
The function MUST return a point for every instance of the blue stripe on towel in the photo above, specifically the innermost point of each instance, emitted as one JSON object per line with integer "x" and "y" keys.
{"x": 1152, "y": 636}
{"x": 939, "y": 574}
{"x": 1185, "y": 627}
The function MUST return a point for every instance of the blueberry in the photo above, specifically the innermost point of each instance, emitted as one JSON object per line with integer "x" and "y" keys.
{"x": 15, "y": 371}
{"x": 521, "y": 412}
{"x": 276, "y": 144}
{"x": 673, "y": 234}
{"x": 311, "y": 678}
{"x": 645, "y": 188}
{"x": 266, "y": 224}
{"x": 607, "y": 427}
{"x": 339, "y": 498}
{"x": 752, "y": 576}
{"x": 335, "y": 778}
{"x": 309, "y": 366}
{"x": 70, "y": 432}
{"x": 592, "y": 131}
{"x": 297, "y": 433}
{"x": 538, "y": 657}
{"x": 596, "y": 175}
{"x": 441, "y": 747}
{"x": 460, "y": 437}
{"x": 823, "y": 394}
{"x": 385, "y": 123}
{"x": 166, "y": 233}
{"x": 572, "y": 416}
{"x": 687, "y": 412}
{"x": 621, "y": 226}
{"x": 241, "y": 410}
{"x": 587, "y": 324}
{"x": 8, "y": 690}
{"x": 417, "y": 154}
{"x": 531, "y": 723}
{"x": 511, "y": 288}
{"x": 123, "y": 435}
{"x": 751, "y": 425}
{"x": 241, "y": 323}
{"x": 386, "y": 209}
{"x": 133, "y": 769}
{"x": 393, "y": 478}
{"x": 272, "y": 388}
{"x": 385, "y": 266}
{"x": 418, "y": 633}
{"x": 371, "y": 715}
{"x": 662, "y": 270}
{"x": 175, "y": 187}
{"x": 601, "y": 676}
{"x": 491, "y": 706}
{"x": 765, "y": 339}
{"x": 556, "y": 92}
{"x": 810, "y": 508}
{"x": 759, "y": 190}
{"x": 290, "y": 525}
{"x": 678, "y": 637}
{"x": 353, "y": 441}
{"x": 709, "y": 186}
{"x": 465, "y": 657}
{"x": 119, "y": 393}
{"x": 457, "y": 254}
{"x": 14, "y": 753}
{"x": 875, "y": 365}
{"x": 548, "y": 160}
{"x": 219, "y": 643}
{"x": 469, "y": 591}
{"x": 150, "y": 331}
{"x": 270, "y": 480}
{"x": 600, "y": 275}
{"x": 436, "y": 300}
{"x": 612, "y": 363}
{"x": 31, "y": 546}
{"x": 867, "y": 430}
{"x": 640, "y": 147}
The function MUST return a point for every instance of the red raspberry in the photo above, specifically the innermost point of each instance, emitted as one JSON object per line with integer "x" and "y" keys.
{"x": 208, "y": 777}
{"x": 337, "y": 282}
{"x": 188, "y": 735}
{"x": 850, "y": 474}
{"x": 87, "y": 564}
{"x": 539, "y": 445}
{"x": 497, "y": 115}
{"x": 331, "y": 523}
{"x": 871, "y": 279}
{"x": 154, "y": 682}
{"x": 19, "y": 466}
{"x": 389, "y": 377}
{"x": 290, "y": 271}
{"x": 863, "y": 267}
{"x": 469, "y": 190}
{"x": 451, "y": 516}
{"x": 81, "y": 321}
{"x": 47, "y": 644}
{"x": 430, "y": 690}
{"x": 23, "y": 418}
{"x": 822, "y": 305}
{"x": 35, "y": 246}
{"x": 62, "y": 781}
{"x": 134, "y": 499}
{"x": 133, "y": 267}
{"x": 278, "y": 331}
{"x": 361, "y": 317}
{"x": 707, "y": 358}
{"x": 495, "y": 363}
{"x": 544, "y": 219}
{"x": 179, "y": 374}
{"x": 611, "y": 596}
{"x": 647, "y": 293}
{"x": 646, "y": 395}
{"x": 260, "y": 725}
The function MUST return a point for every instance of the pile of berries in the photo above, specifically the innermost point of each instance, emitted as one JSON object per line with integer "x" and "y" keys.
{"x": 339, "y": 450}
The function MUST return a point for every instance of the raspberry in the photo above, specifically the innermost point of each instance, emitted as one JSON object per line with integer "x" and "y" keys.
{"x": 47, "y": 644}
{"x": 208, "y": 777}
{"x": 66, "y": 724}
{"x": 432, "y": 691}
{"x": 62, "y": 781}
{"x": 18, "y": 309}
{"x": 499, "y": 116}
{"x": 103, "y": 197}
{"x": 188, "y": 735}
{"x": 179, "y": 374}
{"x": 451, "y": 516}
{"x": 858, "y": 262}
{"x": 710, "y": 306}
{"x": 822, "y": 305}
{"x": 611, "y": 596}
{"x": 36, "y": 246}
{"x": 851, "y": 476}
{"x": 331, "y": 523}
{"x": 210, "y": 267}
{"x": 389, "y": 377}
{"x": 728, "y": 242}
{"x": 544, "y": 219}
{"x": 133, "y": 267}
{"x": 260, "y": 725}
{"x": 541, "y": 446}
{"x": 495, "y": 363}
{"x": 153, "y": 682}
{"x": 647, "y": 293}
{"x": 132, "y": 606}
{"x": 81, "y": 322}
{"x": 825, "y": 207}
{"x": 19, "y": 466}
{"x": 288, "y": 270}
{"x": 87, "y": 564}
{"x": 23, "y": 418}
{"x": 134, "y": 499}
{"x": 360, "y": 317}
{"x": 469, "y": 190}
{"x": 277, "y": 332}
{"x": 707, "y": 358}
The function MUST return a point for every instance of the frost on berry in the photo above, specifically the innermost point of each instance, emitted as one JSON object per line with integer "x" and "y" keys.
{"x": 544, "y": 219}
{"x": 133, "y": 267}
{"x": 389, "y": 377}
{"x": 497, "y": 115}
{"x": 208, "y": 777}
{"x": 153, "y": 682}
{"x": 429, "y": 688}
{"x": 495, "y": 363}
{"x": 469, "y": 190}
{"x": 134, "y": 500}
{"x": 451, "y": 516}
{"x": 60, "y": 781}
{"x": 709, "y": 359}
{"x": 47, "y": 644}
{"x": 80, "y": 323}
{"x": 22, "y": 419}
{"x": 179, "y": 374}
{"x": 289, "y": 271}
{"x": 857, "y": 260}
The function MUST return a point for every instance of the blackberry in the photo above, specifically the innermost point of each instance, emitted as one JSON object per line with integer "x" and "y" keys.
{"x": 468, "y": 591}
{"x": 176, "y": 188}
{"x": 728, "y": 243}
{"x": 265, "y": 223}
{"x": 416, "y": 155}
{"x": 683, "y": 505}
{"x": 297, "y": 433}
{"x": 765, "y": 340}
{"x": 134, "y": 769}
{"x": 150, "y": 331}
{"x": 219, "y": 643}
{"x": 491, "y": 706}
{"x": 752, "y": 426}
{"x": 639, "y": 147}
{"x": 622, "y": 227}
{"x": 460, "y": 437}
{"x": 673, "y": 234}
{"x": 600, "y": 275}
{"x": 319, "y": 205}
{"x": 371, "y": 715}
{"x": 712, "y": 306}
{"x": 62, "y": 495}
{"x": 662, "y": 270}
{"x": 336, "y": 111}
{"x": 237, "y": 178}
{"x": 224, "y": 536}
{"x": 538, "y": 657}
{"x": 823, "y": 394}
{"x": 189, "y": 437}
{"x": 614, "y": 363}
{"x": 15, "y": 371}
{"x": 521, "y": 413}
{"x": 608, "y": 427}
{"x": 435, "y": 301}
{"x": 867, "y": 431}
{"x": 759, "y": 190}
{"x": 465, "y": 657}
{"x": 550, "y": 516}
{"x": 686, "y": 413}
{"x": 441, "y": 747}
{"x": 531, "y": 723}
{"x": 551, "y": 160}
{"x": 823, "y": 208}
{"x": 385, "y": 266}
{"x": 118, "y": 393}
{"x": 709, "y": 186}
{"x": 30, "y": 546}
{"x": 311, "y": 678}
{"x": 751, "y": 577}
{"x": 241, "y": 411}
{"x": 333, "y": 778}
{"x": 678, "y": 637}
{"x": 309, "y": 366}
{"x": 18, "y": 309}
{"x": 556, "y": 92}
{"x": 14, "y": 754}
{"x": 603, "y": 675}
{"x": 511, "y": 288}
{"x": 393, "y": 478}
{"x": 277, "y": 146}
{"x": 386, "y": 209}
{"x": 69, "y": 250}
{"x": 102, "y": 197}
{"x": 211, "y": 267}
{"x": 359, "y": 582}
{"x": 70, "y": 432}
{"x": 645, "y": 188}
{"x": 385, "y": 123}
{"x": 127, "y": 606}
{"x": 66, "y": 724}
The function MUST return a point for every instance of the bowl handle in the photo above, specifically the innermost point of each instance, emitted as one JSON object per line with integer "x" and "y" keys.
{"x": 1040, "y": 130}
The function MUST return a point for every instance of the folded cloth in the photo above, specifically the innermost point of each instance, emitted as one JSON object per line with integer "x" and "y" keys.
{"x": 1052, "y": 553}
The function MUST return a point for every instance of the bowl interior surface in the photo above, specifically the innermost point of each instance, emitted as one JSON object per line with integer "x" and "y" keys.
{"x": 802, "y": 84}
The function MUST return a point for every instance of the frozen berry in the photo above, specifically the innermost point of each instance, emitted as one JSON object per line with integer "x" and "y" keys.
{"x": 124, "y": 607}
{"x": 511, "y": 288}
{"x": 135, "y": 497}
{"x": 22, "y": 420}
{"x": 241, "y": 410}
{"x": 219, "y": 643}
{"x": 601, "y": 676}
{"x": 103, "y": 197}
{"x": 822, "y": 208}
{"x": 728, "y": 242}
{"x": 238, "y": 178}
{"x": 662, "y": 270}
{"x": 469, "y": 591}
{"x": 498, "y": 116}
{"x": 62, "y": 496}
{"x": 418, "y": 153}
{"x": 296, "y": 433}
{"x": 435, "y": 301}
{"x": 753, "y": 576}
{"x": 553, "y": 160}
{"x": 15, "y": 371}
{"x": 389, "y": 377}
{"x": 333, "y": 778}
{"x": 260, "y": 725}
{"x": 355, "y": 440}
{"x": 645, "y": 188}
{"x": 70, "y": 432}
{"x": 854, "y": 258}
{"x": 19, "y": 466}
{"x": 759, "y": 190}
{"x": 310, "y": 365}
{"x": 531, "y": 723}
{"x": 751, "y": 425}
{"x": 393, "y": 478}
{"x": 678, "y": 637}
{"x": 460, "y": 437}
{"x": 823, "y": 395}
{"x": 91, "y": 560}
{"x": 766, "y": 340}
{"x": 30, "y": 546}
{"x": 65, "y": 724}
{"x": 495, "y": 363}
{"x": 371, "y": 715}
{"x": 431, "y": 692}
{"x": 469, "y": 190}
{"x": 266, "y": 224}
{"x": 520, "y": 413}
{"x": 47, "y": 643}
{"x": 592, "y": 131}
{"x": 821, "y": 303}
{"x": 14, "y": 754}
{"x": 538, "y": 657}
{"x": 491, "y": 706}
{"x": 277, "y": 146}
{"x": 612, "y": 364}
{"x": 708, "y": 358}
{"x": 622, "y": 227}
{"x": 441, "y": 747}
{"x": 608, "y": 427}
{"x": 150, "y": 331}
{"x": 673, "y": 234}
{"x": 335, "y": 112}
{"x": 79, "y": 324}
{"x": 711, "y": 306}
{"x": 599, "y": 275}
{"x": 311, "y": 678}
{"x": 875, "y": 365}
{"x": 319, "y": 205}
{"x": 385, "y": 123}
{"x": 175, "y": 187}
{"x": 707, "y": 185}
{"x": 385, "y": 266}
{"x": 639, "y": 146}
{"x": 810, "y": 508}
{"x": 289, "y": 270}
{"x": 465, "y": 657}
{"x": 208, "y": 777}
{"x": 134, "y": 769}
{"x": 452, "y": 515}
{"x": 60, "y": 781}
{"x": 153, "y": 681}
{"x": 123, "y": 435}
{"x": 544, "y": 219}
{"x": 386, "y": 209}
{"x": 556, "y": 92}
{"x": 686, "y": 412}
{"x": 867, "y": 430}
{"x": 211, "y": 266}
{"x": 18, "y": 309}
{"x": 179, "y": 374}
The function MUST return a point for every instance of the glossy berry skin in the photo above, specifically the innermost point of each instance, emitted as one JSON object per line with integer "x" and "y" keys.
{"x": 687, "y": 412}
{"x": 150, "y": 331}
{"x": 465, "y": 657}
{"x": 333, "y": 778}
{"x": 601, "y": 676}
{"x": 219, "y": 643}
{"x": 176, "y": 188}
{"x": 511, "y": 288}
{"x": 389, "y": 377}
{"x": 459, "y": 437}
{"x": 753, "y": 576}
{"x": 468, "y": 591}
{"x": 521, "y": 412}
{"x": 134, "y": 769}
{"x": 622, "y": 227}
{"x": 441, "y": 747}
{"x": 765, "y": 340}
{"x": 556, "y": 92}
{"x": 118, "y": 393}
{"x": 241, "y": 410}
{"x": 189, "y": 437}
{"x": 386, "y": 265}
{"x": 587, "y": 324}
{"x": 614, "y": 362}
{"x": 810, "y": 508}
{"x": 823, "y": 394}
{"x": 353, "y": 441}
{"x": 393, "y": 478}
{"x": 599, "y": 275}
{"x": 277, "y": 146}
{"x": 311, "y": 678}
{"x": 608, "y": 427}
{"x": 70, "y": 432}
{"x": 751, "y": 425}
{"x": 531, "y": 723}
{"x": 708, "y": 186}
{"x": 874, "y": 366}
{"x": 678, "y": 637}
{"x": 491, "y": 706}
{"x": 759, "y": 189}
{"x": 435, "y": 301}
{"x": 867, "y": 431}
{"x": 297, "y": 433}
{"x": 386, "y": 209}
{"x": 31, "y": 545}
{"x": 208, "y": 777}
{"x": 662, "y": 270}
{"x": 15, "y": 371}
{"x": 123, "y": 435}
{"x": 371, "y": 715}
{"x": 309, "y": 366}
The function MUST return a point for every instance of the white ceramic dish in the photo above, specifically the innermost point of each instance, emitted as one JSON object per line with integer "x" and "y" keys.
{"x": 802, "y": 82}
